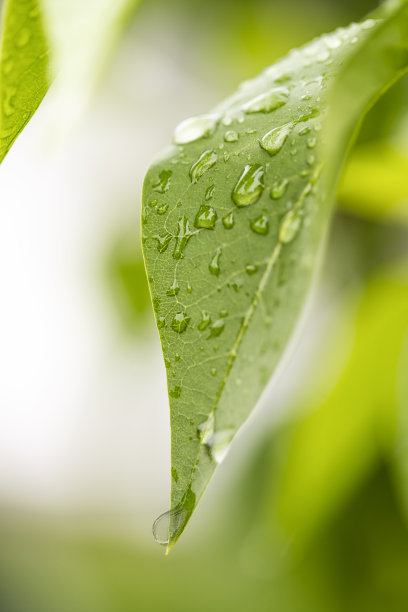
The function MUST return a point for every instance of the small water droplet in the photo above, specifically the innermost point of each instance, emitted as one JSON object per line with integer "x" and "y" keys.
{"x": 166, "y": 526}
{"x": 224, "y": 313}
{"x": 153, "y": 203}
{"x": 180, "y": 322}
{"x": 173, "y": 289}
{"x": 214, "y": 265}
{"x": 163, "y": 241}
{"x": 210, "y": 192}
{"x": 23, "y": 37}
{"x": 176, "y": 357}
{"x": 323, "y": 56}
{"x": 278, "y": 188}
{"x": 162, "y": 208}
{"x": 206, "y": 217}
{"x": 216, "y": 328}
{"x": 183, "y": 236}
{"x": 310, "y": 160}
{"x": 251, "y": 269}
{"x": 228, "y": 221}
{"x": 368, "y": 24}
{"x": 189, "y": 287}
{"x": 274, "y": 140}
{"x": 290, "y": 226}
{"x": 205, "y": 320}
{"x": 311, "y": 143}
{"x": 267, "y": 102}
{"x": 175, "y": 392}
{"x": 161, "y": 322}
{"x": 219, "y": 443}
{"x": 249, "y": 186}
{"x": 260, "y": 225}
{"x": 226, "y": 156}
{"x": 195, "y": 128}
{"x": 163, "y": 182}
{"x": 231, "y": 136}
{"x": 213, "y": 371}
{"x": 203, "y": 163}
{"x": 206, "y": 429}
{"x": 174, "y": 474}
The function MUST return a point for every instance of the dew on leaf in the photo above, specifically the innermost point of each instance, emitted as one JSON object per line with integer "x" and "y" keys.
{"x": 214, "y": 265}
{"x": 167, "y": 525}
{"x": 161, "y": 322}
{"x": 311, "y": 142}
{"x": 249, "y": 186}
{"x": 195, "y": 128}
{"x": 184, "y": 234}
{"x": 203, "y": 163}
{"x": 175, "y": 392}
{"x": 251, "y": 269}
{"x": 213, "y": 371}
{"x": 163, "y": 241}
{"x": 162, "y": 208}
{"x": 274, "y": 140}
{"x": 205, "y": 320}
{"x": 153, "y": 203}
{"x": 180, "y": 322}
{"x": 216, "y": 328}
{"x": 228, "y": 221}
{"x": 219, "y": 443}
{"x": 163, "y": 182}
{"x": 189, "y": 287}
{"x": 206, "y": 217}
{"x": 173, "y": 289}
{"x": 268, "y": 102}
{"x": 290, "y": 226}
{"x": 206, "y": 429}
{"x": 210, "y": 192}
{"x": 260, "y": 225}
{"x": 278, "y": 188}
{"x": 224, "y": 313}
{"x": 231, "y": 136}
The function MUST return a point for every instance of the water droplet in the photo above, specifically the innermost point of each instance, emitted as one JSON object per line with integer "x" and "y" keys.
{"x": 161, "y": 322}
{"x": 180, "y": 322}
{"x": 176, "y": 357}
{"x": 174, "y": 474}
{"x": 226, "y": 156}
{"x": 368, "y": 24}
{"x": 203, "y": 163}
{"x": 173, "y": 289}
{"x": 213, "y": 371}
{"x": 251, "y": 269}
{"x": 274, "y": 140}
{"x": 311, "y": 142}
{"x": 206, "y": 217}
{"x": 210, "y": 192}
{"x": 153, "y": 203}
{"x": 290, "y": 226}
{"x": 228, "y": 221}
{"x": 230, "y": 136}
{"x": 8, "y": 104}
{"x": 216, "y": 328}
{"x": 267, "y": 102}
{"x": 206, "y": 429}
{"x": 205, "y": 320}
{"x": 260, "y": 225}
{"x": 166, "y": 526}
{"x": 236, "y": 284}
{"x": 175, "y": 392}
{"x": 250, "y": 131}
{"x": 310, "y": 160}
{"x": 333, "y": 42}
{"x": 163, "y": 241}
{"x": 195, "y": 128}
{"x": 162, "y": 208}
{"x": 227, "y": 120}
{"x": 323, "y": 56}
{"x": 224, "y": 313}
{"x": 249, "y": 186}
{"x": 23, "y": 37}
{"x": 278, "y": 188}
{"x": 183, "y": 236}
{"x": 189, "y": 287}
{"x": 283, "y": 78}
{"x": 163, "y": 182}
{"x": 214, "y": 265}
{"x": 219, "y": 444}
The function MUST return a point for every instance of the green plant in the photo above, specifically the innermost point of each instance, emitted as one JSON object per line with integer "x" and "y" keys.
{"x": 234, "y": 217}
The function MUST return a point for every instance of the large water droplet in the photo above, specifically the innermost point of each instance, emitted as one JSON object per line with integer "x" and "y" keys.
{"x": 278, "y": 188}
{"x": 180, "y": 322}
{"x": 219, "y": 444}
{"x": 260, "y": 225}
{"x": 249, "y": 186}
{"x": 267, "y": 102}
{"x": 274, "y": 140}
{"x": 214, "y": 265}
{"x": 203, "y": 163}
{"x": 290, "y": 226}
{"x": 163, "y": 182}
{"x": 195, "y": 128}
{"x": 163, "y": 241}
{"x": 206, "y": 217}
{"x": 228, "y": 221}
{"x": 184, "y": 234}
{"x": 173, "y": 289}
{"x": 166, "y": 526}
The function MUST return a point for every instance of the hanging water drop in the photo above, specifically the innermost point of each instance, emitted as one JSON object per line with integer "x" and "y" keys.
{"x": 167, "y": 525}
{"x": 249, "y": 186}
{"x": 195, "y": 128}
{"x": 219, "y": 444}
{"x": 203, "y": 163}
{"x": 274, "y": 140}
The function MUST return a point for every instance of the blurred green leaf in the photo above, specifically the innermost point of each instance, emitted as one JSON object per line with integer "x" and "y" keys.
{"x": 233, "y": 218}
{"x": 348, "y": 431}
{"x": 24, "y": 68}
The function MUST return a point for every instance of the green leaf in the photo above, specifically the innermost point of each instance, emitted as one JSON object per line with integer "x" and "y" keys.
{"x": 24, "y": 67}
{"x": 234, "y": 215}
